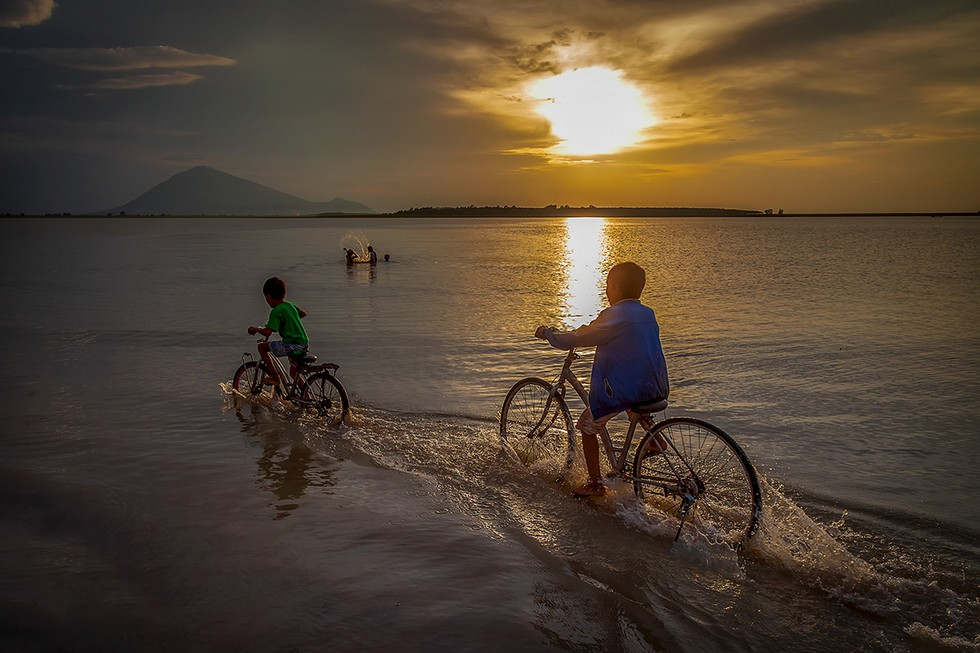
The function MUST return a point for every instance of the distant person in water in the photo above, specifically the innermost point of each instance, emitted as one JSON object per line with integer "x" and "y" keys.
{"x": 350, "y": 256}
{"x": 629, "y": 367}
{"x": 387, "y": 258}
{"x": 285, "y": 320}
{"x": 373, "y": 255}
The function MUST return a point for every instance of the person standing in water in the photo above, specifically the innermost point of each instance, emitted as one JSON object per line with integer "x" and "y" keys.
{"x": 373, "y": 255}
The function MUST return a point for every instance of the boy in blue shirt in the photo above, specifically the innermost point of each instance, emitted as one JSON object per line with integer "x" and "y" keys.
{"x": 629, "y": 366}
{"x": 284, "y": 319}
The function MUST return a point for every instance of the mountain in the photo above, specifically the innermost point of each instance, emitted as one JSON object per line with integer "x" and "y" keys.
{"x": 206, "y": 191}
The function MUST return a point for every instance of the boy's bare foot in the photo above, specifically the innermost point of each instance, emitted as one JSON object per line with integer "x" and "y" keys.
{"x": 590, "y": 489}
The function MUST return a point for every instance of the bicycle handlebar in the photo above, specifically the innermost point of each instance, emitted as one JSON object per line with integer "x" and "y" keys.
{"x": 261, "y": 337}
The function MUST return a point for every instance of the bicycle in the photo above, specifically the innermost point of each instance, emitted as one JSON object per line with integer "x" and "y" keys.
{"x": 315, "y": 387}
{"x": 683, "y": 467}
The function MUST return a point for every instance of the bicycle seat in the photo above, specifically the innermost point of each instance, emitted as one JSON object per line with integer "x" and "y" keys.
{"x": 649, "y": 407}
{"x": 306, "y": 359}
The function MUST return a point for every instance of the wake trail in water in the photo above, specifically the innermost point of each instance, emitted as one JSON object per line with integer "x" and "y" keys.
{"x": 466, "y": 464}
{"x": 892, "y": 582}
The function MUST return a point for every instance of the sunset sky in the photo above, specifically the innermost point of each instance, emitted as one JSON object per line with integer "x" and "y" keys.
{"x": 801, "y": 105}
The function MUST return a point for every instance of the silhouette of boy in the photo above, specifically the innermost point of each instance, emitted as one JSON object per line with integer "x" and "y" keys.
{"x": 629, "y": 366}
{"x": 283, "y": 319}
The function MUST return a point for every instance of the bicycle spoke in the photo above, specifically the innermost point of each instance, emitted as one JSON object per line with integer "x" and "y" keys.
{"x": 248, "y": 380}
{"x": 326, "y": 397}
{"x": 705, "y": 465}
{"x": 535, "y": 423}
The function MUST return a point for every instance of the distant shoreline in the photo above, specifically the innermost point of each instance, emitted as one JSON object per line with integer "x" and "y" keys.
{"x": 530, "y": 212}
{"x": 641, "y": 212}
{"x": 553, "y": 211}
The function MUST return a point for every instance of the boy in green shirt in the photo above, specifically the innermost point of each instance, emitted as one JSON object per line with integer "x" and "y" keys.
{"x": 284, "y": 319}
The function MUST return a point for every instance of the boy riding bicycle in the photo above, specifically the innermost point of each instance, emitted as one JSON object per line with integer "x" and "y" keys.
{"x": 285, "y": 319}
{"x": 629, "y": 366}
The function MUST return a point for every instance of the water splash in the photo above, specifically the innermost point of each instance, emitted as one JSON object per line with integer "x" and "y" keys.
{"x": 357, "y": 242}
{"x": 463, "y": 462}
{"x": 936, "y": 640}
{"x": 788, "y": 539}
{"x": 234, "y": 399}
{"x": 814, "y": 555}
{"x": 883, "y": 580}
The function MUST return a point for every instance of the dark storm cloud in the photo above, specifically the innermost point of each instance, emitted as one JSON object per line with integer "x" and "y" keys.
{"x": 19, "y": 13}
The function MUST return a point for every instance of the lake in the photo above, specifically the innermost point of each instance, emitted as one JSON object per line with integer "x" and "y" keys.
{"x": 147, "y": 508}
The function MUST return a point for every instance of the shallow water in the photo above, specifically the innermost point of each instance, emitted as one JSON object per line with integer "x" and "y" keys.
{"x": 148, "y": 509}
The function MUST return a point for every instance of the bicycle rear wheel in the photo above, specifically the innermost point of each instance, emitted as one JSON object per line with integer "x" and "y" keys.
{"x": 536, "y": 424}
{"x": 703, "y": 472}
{"x": 327, "y": 397}
{"x": 249, "y": 379}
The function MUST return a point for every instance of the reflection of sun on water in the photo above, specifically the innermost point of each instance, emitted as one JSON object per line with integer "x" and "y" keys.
{"x": 585, "y": 243}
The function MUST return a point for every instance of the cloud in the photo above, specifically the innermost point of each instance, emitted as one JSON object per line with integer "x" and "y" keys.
{"x": 751, "y": 77}
{"x": 18, "y": 13}
{"x": 874, "y": 136}
{"x": 148, "y": 81}
{"x": 140, "y": 81}
{"x": 798, "y": 30}
{"x": 314, "y": 87}
{"x": 23, "y": 137}
{"x": 122, "y": 59}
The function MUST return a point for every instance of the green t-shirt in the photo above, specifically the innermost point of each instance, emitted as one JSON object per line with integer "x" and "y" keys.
{"x": 284, "y": 318}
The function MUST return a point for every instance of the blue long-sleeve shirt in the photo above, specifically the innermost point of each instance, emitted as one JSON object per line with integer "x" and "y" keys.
{"x": 629, "y": 366}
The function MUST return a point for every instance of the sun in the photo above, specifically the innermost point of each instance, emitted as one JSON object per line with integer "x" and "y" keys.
{"x": 592, "y": 110}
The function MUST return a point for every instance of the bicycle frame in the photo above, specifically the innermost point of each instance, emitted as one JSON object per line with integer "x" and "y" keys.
{"x": 617, "y": 462}
{"x": 289, "y": 384}
{"x": 619, "y": 457}
{"x": 311, "y": 385}
{"x": 291, "y": 387}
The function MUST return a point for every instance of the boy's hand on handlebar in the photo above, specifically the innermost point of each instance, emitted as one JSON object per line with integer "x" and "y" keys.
{"x": 539, "y": 332}
{"x": 265, "y": 332}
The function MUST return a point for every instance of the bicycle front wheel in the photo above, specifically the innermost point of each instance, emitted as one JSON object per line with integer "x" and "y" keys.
{"x": 536, "y": 424}
{"x": 249, "y": 379}
{"x": 327, "y": 397}
{"x": 703, "y": 480}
